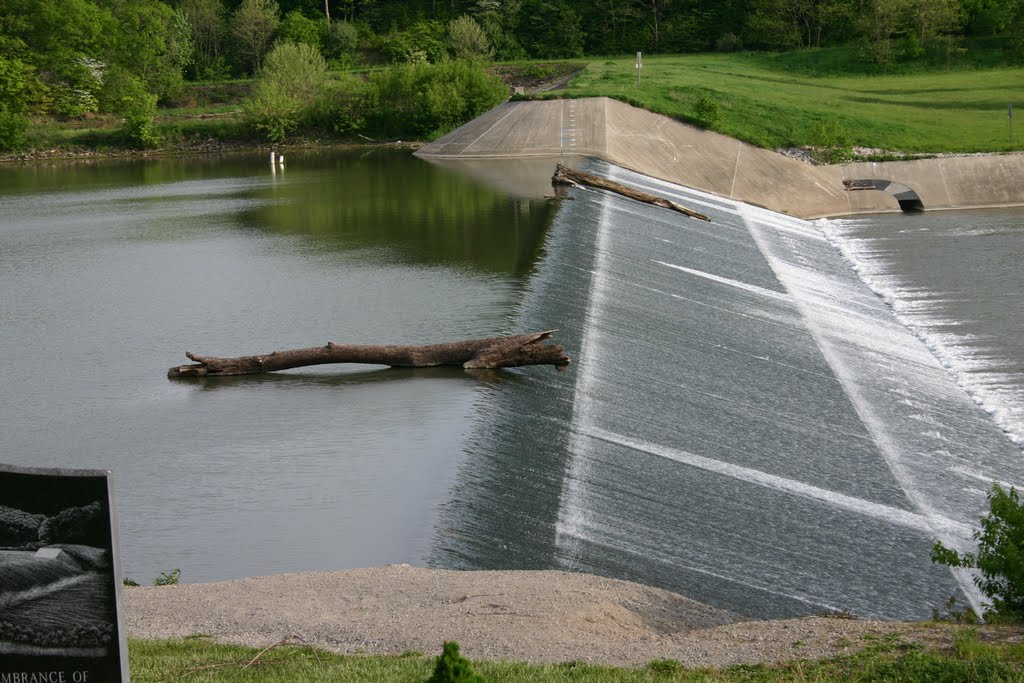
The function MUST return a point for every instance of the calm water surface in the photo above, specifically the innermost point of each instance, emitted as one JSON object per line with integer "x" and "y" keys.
{"x": 111, "y": 271}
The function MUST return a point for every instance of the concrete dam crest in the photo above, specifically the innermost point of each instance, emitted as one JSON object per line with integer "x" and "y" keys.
{"x": 661, "y": 147}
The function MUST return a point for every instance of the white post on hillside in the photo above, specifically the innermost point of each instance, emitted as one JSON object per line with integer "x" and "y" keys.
{"x": 1009, "y": 119}
{"x": 639, "y": 65}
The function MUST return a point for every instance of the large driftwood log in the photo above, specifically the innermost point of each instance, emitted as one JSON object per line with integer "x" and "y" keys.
{"x": 496, "y": 352}
{"x": 567, "y": 176}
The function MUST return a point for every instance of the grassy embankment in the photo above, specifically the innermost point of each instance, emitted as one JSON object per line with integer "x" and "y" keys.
{"x": 783, "y": 100}
{"x": 968, "y": 659}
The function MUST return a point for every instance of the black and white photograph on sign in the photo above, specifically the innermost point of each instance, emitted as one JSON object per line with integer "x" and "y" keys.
{"x": 59, "y": 592}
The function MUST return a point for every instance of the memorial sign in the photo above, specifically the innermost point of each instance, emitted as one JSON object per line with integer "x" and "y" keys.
{"x": 61, "y": 606}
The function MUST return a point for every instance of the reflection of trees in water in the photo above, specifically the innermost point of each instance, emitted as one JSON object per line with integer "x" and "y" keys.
{"x": 58, "y": 601}
{"x": 418, "y": 212}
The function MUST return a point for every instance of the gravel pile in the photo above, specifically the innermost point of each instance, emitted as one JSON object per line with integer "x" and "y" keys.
{"x": 534, "y": 616}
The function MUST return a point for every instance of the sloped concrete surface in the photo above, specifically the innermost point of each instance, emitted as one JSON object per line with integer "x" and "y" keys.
{"x": 661, "y": 147}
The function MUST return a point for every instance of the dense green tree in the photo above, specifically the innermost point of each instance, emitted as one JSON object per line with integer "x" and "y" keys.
{"x": 253, "y": 26}
{"x": 298, "y": 28}
{"x": 18, "y": 83}
{"x": 931, "y": 20}
{"x": 351, "y": 10}
{"x": 65, "y": 42}
{"x": 499, "y": 19}
{"x": 785, "y": 24}
{"x": 611, "y": 27}
{"x": 341, "y": 41}
{"x": 550, "y": 29}
{"x": 207, "y": 20}
{"x": 467, "y": 40}
{"x": 903, "y": 29}
{"x": 19, "y": 86}
{"x": 152, "y": 41}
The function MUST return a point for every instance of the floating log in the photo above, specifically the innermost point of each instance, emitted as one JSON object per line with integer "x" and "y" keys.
{"x": 496, "y": 352}
{"x": 567, "y": 176}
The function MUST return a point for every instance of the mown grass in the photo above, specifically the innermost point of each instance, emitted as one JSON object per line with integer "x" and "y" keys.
{"x": 776, "y": 104}
{"x": 970, "y": 659}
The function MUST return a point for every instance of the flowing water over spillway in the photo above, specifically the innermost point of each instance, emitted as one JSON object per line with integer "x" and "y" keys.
{"x": 954, "y": 280}
{"x": 747, "y": 423}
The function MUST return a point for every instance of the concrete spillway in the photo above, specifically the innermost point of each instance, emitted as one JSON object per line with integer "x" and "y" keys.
{"x": 663, "y": 148}
{"x": 745, "y": 421}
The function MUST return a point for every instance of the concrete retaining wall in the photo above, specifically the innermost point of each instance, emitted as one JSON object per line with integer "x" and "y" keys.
{"x": 664, "y": 148}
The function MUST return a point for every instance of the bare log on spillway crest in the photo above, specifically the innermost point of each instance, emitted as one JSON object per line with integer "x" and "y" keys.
{"x": 496, "y": 352}
{"x": 567, "y": 176}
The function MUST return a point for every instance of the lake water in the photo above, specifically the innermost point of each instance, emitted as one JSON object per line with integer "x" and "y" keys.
{"x": 111, "y": 271}
{"x": 745, "y": 420}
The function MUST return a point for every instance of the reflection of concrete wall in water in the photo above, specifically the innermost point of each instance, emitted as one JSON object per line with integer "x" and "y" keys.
{"x": 56, "y": 592}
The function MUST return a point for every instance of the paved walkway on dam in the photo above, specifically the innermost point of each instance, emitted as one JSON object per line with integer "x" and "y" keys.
{"x": 661, "y": 147}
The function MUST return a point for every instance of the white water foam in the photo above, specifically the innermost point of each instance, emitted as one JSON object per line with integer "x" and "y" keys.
{"x": 779, "y": 296}
{"x": 978, "y": 375}
{"x": 573, "y": 518}
{"x": 841, "y": 501}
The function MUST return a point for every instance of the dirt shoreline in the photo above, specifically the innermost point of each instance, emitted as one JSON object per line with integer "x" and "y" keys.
{"x": 210, "y": 147}
{"x": 530, "y": 616}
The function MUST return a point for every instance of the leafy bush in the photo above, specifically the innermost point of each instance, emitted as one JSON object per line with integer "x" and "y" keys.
{"x": 124, "y": 93}
{"x": 292, "y": 79}
{"x": 12, "y": 129}
{"x": 298, "y": 28}
{"x": 707, "y": 110}
{"x": 170, "y": 578}
{"x": 342, "y": 40}
{"x": 426, "y": 101}
{"x": 138, "y": 125}
{"x": 728, "y": 42}
{"x": 451, "y": 667}
{"x": 346, "y": 106}
{"x": 424, "y": 41}
{"x": 1000, "y": 556}
{"x": 832, "y": 142}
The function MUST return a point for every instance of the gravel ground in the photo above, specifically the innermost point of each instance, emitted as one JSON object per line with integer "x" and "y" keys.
{"x": 535, "y": 616}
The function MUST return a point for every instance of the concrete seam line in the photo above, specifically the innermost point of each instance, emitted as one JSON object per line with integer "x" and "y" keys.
{"x": 515, "y": 105}
{"x": 735, "y": 171}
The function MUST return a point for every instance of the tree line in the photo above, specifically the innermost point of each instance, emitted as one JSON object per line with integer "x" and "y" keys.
{"x": 71, "y": 57}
